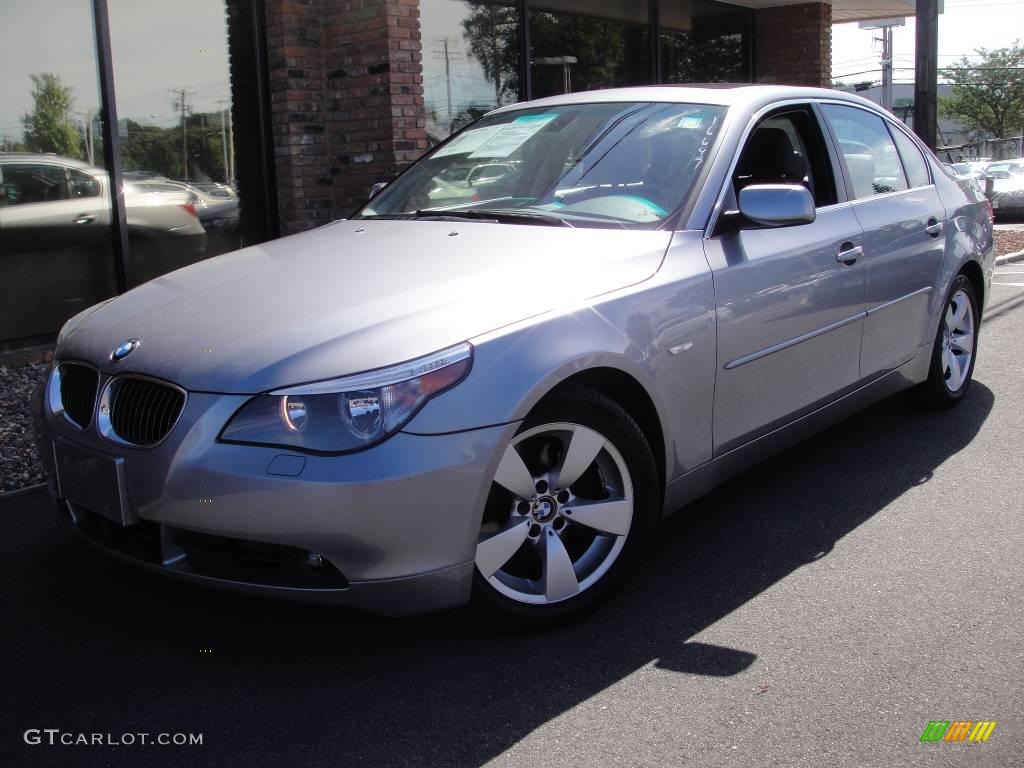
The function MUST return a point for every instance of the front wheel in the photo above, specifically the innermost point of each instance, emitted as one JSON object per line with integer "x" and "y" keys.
{"x": 574, "y": 501}
{"x": 952, "y": 366}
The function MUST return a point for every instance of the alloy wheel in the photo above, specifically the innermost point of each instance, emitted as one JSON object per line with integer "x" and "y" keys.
{"x": 558, "y": 515}
{"x": 957, "y": 340}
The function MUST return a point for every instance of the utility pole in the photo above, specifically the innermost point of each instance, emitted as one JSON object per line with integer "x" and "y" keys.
{"x": 224, "y": 140}
{"x": 87, "y": 125}
{"x": 231, "y": 149}
{"x": 887, "y": 68}
{"x": 926, "y": 71}
{"x": 448, "y": 56}
{"x": 885, "y": 25}
{"x": 180, "y": 104}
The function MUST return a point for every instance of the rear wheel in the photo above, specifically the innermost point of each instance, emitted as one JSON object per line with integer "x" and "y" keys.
{"x": 573, "y": 502}
{"x": 952, "y": 366}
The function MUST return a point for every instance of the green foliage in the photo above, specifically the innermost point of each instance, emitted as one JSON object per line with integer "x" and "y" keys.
{"x": 988, "y": 96}
{"x": 689, "y": 58}
{"x": 160, "y": 150}
{"x": 493, "y": 35}
{"x": 48, "y": 127}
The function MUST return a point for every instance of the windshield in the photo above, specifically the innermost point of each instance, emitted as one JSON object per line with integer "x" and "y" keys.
{"x": 605, "y": 165}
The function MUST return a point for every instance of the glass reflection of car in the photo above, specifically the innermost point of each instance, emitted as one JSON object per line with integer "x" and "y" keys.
{"x": 1007, "y": 187}
{"x": 55, "y": 221}
{"x": 970, "y": 168}
{"x": 462, "y": 182}
{"x": 495, "y": 401}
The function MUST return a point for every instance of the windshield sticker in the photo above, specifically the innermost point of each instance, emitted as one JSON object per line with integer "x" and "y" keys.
{"x": 469, "y": 141}
{"x": 690, "y": 122}
{"x": 512, "y": 136}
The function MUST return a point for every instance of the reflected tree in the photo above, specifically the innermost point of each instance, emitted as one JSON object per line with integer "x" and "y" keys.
{"x": 49, "y": 127}
{"x": 687, "y": 59}
{"x": 492, "y": 33}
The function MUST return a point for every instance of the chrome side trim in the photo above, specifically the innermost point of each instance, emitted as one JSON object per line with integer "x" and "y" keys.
{"x": 792, "y": 342}
{"x": 918, "y": 292}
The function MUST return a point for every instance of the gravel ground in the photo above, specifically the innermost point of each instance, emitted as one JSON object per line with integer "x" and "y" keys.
{"x": 19, "y": 466}
{"x": 1009, "y": 241}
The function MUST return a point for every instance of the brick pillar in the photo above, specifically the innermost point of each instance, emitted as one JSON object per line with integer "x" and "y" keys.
{"x": 346, "y": 83}
{"x": 794, "y": 44}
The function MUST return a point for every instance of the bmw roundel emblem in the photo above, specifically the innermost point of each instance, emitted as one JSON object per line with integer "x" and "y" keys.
{"x": 125, "y": 348}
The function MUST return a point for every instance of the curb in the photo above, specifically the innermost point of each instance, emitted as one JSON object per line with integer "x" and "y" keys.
{"x": 1009, "y": 258}
{"x": 5, "y": 495}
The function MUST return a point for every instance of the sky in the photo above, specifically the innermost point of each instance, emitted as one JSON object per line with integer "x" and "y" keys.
{"x": 156, "y": 46}
{"x": 964, "y": 26}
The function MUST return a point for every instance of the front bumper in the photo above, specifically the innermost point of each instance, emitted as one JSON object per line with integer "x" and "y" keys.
{"x": 392, "y": 529}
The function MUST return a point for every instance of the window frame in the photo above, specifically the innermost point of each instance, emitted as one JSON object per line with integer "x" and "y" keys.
{"x": 713, "y": 226}
{"x": 891, "y": 124}
{"x": 894, "y": 128}
{"x": 65, "y": 184}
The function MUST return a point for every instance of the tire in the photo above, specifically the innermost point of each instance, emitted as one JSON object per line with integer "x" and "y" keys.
{"x": 945, "y": 386}
{"x": 536, "y": 563}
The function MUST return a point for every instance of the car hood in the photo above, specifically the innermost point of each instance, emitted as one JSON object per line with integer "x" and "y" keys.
{"x": 353, "y": 296}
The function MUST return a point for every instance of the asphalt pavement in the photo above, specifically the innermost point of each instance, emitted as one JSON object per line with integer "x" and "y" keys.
{"x": 819, "y": 610}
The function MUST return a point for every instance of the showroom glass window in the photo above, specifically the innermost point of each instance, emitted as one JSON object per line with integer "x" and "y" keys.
{"x": 581, "y": 45}
{"x": 704, "y": 42}
{"x": 471, "y": 61}
{"x": 55, "y": 227}
{"x": 173, "y": 91}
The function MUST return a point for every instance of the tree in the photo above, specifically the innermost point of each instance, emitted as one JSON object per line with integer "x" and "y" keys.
{"x": 988, "y": 96}
{"x": 492, "y": 33}
{"x": 48, "y": 128}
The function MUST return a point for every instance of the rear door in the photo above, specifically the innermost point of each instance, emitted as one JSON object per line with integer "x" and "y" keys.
{"x": 903, "y": 220}
{"x": 789, "y": 301}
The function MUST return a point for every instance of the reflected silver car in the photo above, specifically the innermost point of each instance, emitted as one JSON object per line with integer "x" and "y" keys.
{"x": 496, "y": 400}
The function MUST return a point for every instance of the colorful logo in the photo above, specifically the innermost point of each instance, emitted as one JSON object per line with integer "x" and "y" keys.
{"x": 958, "y": 730}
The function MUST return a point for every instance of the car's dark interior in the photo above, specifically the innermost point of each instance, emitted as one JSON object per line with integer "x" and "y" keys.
{"x": 787, "y": 148}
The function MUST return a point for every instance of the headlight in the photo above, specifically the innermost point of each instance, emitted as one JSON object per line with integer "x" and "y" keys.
{"x": 350, "y": 413}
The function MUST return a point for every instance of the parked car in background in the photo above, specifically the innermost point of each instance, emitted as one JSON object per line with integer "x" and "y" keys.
{"x": 219, "y": 209}
{"x": 1007, "y": 195}
{"x": 55, "y": 237}
{"x": 972, "y": 169}
{"x": 496, "y": 400}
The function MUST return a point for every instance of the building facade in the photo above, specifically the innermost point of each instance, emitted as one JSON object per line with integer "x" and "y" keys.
{"x": 138, "y": 137}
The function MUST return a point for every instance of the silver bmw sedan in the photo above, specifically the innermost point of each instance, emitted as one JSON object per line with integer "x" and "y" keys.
{"x": 488, "y": 385}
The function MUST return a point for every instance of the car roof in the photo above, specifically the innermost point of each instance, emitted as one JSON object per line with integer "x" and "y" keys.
{"x": 35, "y": 157}
{"x": 745, "y": 95}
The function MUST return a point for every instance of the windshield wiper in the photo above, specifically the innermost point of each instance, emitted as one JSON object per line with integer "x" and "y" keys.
{"x": 497, "y": 215}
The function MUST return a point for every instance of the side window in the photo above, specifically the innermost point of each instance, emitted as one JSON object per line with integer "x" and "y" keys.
{"x": 82, "y": 184}
{"x": 913, "y": 161}
{"x": 27, "y": 183}
{"x": 872, "y": 162}
{"x": 787, "y": 148}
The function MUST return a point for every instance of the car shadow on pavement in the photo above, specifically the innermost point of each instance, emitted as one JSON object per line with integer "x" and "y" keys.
{"x": 97, "y": 646}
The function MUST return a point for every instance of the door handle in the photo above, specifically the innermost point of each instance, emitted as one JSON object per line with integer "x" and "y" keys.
{"x": 934, "y": 227}
{"x": 849, "y": 253}
{"x": 85, "y": 218}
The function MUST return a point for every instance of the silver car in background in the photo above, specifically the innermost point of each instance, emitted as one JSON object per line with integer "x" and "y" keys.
{"x": 55, "y": 237}
{"x": 492, "y": 392}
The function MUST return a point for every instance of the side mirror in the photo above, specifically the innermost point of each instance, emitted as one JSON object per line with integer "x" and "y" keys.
{"x": 777, "y": 205}
{"x": 376, "y": 188}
